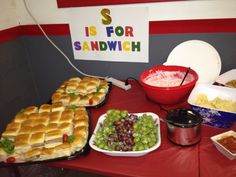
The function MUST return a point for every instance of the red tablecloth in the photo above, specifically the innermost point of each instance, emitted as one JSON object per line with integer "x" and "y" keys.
{"x": 168, "y": 160}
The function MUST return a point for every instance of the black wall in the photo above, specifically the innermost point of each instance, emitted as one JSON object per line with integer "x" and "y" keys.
{"x": 31, "y": 68}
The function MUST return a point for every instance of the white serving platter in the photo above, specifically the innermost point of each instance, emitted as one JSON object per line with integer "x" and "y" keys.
{"x": 214, "y": 117}
{"x": 126, "y": 153}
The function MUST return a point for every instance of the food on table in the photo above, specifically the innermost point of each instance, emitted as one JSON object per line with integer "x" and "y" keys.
{"x": 167, "y": 78}
{"x": 231, "y": 83}
{"x": 229, "y": 143}
{"x": 216, "y": 103}
{"x": 47, "y": 132}
{"x": 87, "y": 91}
{"x": 121, "y": 131}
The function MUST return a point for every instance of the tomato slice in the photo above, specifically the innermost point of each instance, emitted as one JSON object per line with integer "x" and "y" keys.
{"x": 11, "y": 159}
{"x": 91, "y": 101}
{"x": 65, "y": 138}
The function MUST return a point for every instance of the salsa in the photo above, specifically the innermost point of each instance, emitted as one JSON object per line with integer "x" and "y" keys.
{"x": 229, "y": 143}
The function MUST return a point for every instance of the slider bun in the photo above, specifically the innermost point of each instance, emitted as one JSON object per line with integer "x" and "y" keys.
{"x": 33, "y": 116}
{"x": 81, "y": 90}
{"x": 39, "y": 121}
{"x": 74, "y": 100}
{"x": 37, "y": 138}
{"x": 44, "y": 115}
{"x": 103, "y": 83}
{"x": 10, "y": 134}
{"x": 21, "y": 147}
{"x": 96, "y": 81}
{"x": 56, "y": 97}
{"x": 80, "y": 123}
{"x": 77, "y": 79}
{"x": 65, "y": 99}
{"x": 33, "y": 154}
{"x": 81, "y": 131}
{"x": 51, "y": 127}
{"x": 28, "y": 123}
{"x": 53, "y": 135}
{"x": 57, "y": 107}
{"x": 45, "y": 108}
{"x": 13, "y": 125}
{"x": 60, "y": 90}
{"x": 84, "y": 83}
{"x": 78, "y": 143}
{"x": 91, "y": 87}
{"x": 66, "y": 128}
{"x": 67, "y": 112}
{"x": 30, "y": 110}
{"x": 52, "y": 145}
{"x": 63, "y": 150}
{"x": 22, "y": 139}
{"x": 47, "y": 153}
{"x": 39, "y": 128}
{"x": 84, "y": 101}
{"x": 80, "y": 112}
{"x": 83, "y": 117}
{"x": 20, "y": 117}
{"x": 25, "y": 130}
{"x": 71, "y": 87}
{"x": 100, "y": 95}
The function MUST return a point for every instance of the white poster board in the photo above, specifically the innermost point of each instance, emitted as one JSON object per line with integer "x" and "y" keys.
{"x": 118, "y": 34}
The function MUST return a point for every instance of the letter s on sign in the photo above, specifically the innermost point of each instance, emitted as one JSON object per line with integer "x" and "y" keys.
{"x": 106, "y": 18}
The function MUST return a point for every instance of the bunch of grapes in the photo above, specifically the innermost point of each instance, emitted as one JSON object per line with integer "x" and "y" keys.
{"x": 123, "y": 132}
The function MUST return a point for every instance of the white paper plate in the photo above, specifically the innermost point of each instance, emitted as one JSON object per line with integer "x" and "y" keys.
{"x": 200, "y": 56}
{"x": 127, "y": 153}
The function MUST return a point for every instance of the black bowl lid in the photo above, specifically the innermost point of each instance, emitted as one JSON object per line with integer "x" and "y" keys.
{"x": 185, "y": 118}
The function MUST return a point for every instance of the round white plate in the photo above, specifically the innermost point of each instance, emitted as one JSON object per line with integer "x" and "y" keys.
{"x": 200, "y": 56}
{"x": 127, "y": 153}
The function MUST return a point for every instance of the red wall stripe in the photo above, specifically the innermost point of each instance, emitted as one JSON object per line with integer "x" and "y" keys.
{"x": 50, "y": 29}
{"x": 193, "y": 26}
{"x": 9, "y": 34}
{"x": 80, "y": 3}
{"x": 155, "y": 27}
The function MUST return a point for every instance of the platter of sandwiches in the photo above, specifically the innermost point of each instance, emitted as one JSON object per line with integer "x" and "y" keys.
{"x": 47, "y": 132}
{"x": 88, "y": 92}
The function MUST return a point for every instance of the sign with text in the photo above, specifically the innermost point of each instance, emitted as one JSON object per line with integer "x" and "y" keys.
{"x": 110, "y": 34}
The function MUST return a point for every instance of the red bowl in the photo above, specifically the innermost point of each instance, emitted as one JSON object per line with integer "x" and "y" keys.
{"x": 168, "y": 95}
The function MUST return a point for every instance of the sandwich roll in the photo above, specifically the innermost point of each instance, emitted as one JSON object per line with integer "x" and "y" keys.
{"x": 10, "y": 134}
{"x": 30, "y": 110}
{"x": 13, "y": 125}
{"x": 39, "y": 128}
{"x": 25, "y": 130}
{"x": 37, "y": 140}
{"x": 33, "y": 116}
{"x": 20, "y": 117}
{"x": 74, "y": 100}
{"x": 47, "y": 153}
{"x": 53, "y": 138}
{"x": 81, "y": 90}
{"x": 45, "y": 108}
{"x": 77, "y": 79}
{"x": 55, "y": 117}
{"x": 33, "y": 154}
{"x": 63, "y": 150}
{"x": 57, "y": 107}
